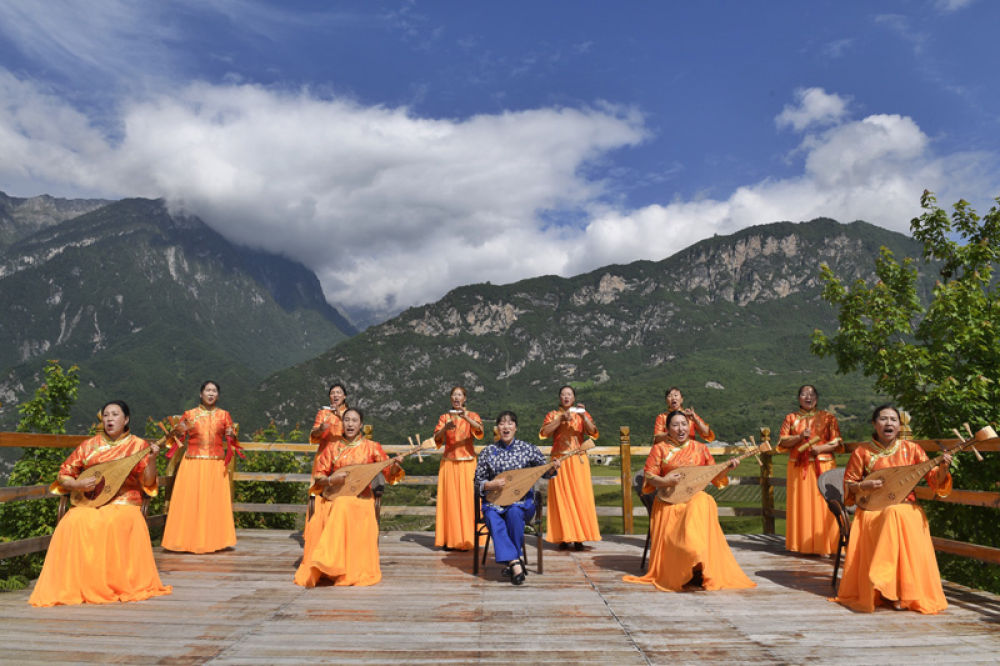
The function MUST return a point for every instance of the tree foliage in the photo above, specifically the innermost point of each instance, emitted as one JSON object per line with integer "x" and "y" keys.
{"x": 47, "y": 412}
{"x": 939, "y": 361}
{"x": 267, "y": 492}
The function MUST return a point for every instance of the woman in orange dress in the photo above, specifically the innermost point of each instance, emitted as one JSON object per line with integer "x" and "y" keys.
{"x": 328, "y": 426}
{"x": 103, "y": 555}
{"x": 456, "y": 431}
{"x": 341, "y": 537}
{"x": 200, "y": 517}
{"x": 890, "y": 558}
{"x": 675, "y": 402}
{"x": 572, "y": 516}
{"x": 688, "y": 548}
{"x": 811, "y": 436}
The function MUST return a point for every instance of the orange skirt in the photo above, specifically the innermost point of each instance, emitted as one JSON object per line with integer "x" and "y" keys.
{"x": 99, "y": 556}
{"x": 200, "y": 518}
{"x": 890, "y": 557}
{"x": 684, "y": 536}
{"x": 571, "y": 513}
{"x": 455, "y": 521}
{"x": 341, "y": 543}
{"x": 810, "y": 527}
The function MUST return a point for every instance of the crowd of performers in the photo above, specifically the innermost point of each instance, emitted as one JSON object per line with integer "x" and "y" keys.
{"x": 104, "y": 554}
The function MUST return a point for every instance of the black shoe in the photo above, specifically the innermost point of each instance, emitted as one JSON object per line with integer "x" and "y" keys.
{"x": 506, "y": 572}
{"x": 697, "y": 580}
{"x": 517, "y": 578}
{"x": 577, "y": 545}
{"x": 563, "y": 545}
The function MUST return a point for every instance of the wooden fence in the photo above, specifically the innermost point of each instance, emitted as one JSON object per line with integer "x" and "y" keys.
{"x": 766, "y": 480}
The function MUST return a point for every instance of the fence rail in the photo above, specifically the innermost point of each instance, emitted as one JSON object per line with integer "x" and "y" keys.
{"x": 625, "y": 451}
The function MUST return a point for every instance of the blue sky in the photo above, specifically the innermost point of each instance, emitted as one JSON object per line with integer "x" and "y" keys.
{"x": 403, "y": 149}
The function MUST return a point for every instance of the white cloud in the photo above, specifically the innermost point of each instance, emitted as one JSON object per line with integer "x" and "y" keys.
{"x": 814, "y": 107}
{"x": 391, "y": 209}
{"x": 952, "y": 5}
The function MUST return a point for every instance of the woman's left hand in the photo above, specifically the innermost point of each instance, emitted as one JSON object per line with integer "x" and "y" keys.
{"x": 945, "y": 460}
{"x": 733, "y": 463}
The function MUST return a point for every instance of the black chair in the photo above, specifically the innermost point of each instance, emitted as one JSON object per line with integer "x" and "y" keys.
{"x": 647, "y": 501}
{"x": 831, "y": 487}
{"x": 532, "y": 527}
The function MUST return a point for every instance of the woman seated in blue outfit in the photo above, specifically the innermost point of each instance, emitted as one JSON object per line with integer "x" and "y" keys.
{"x": 506, "y": 523}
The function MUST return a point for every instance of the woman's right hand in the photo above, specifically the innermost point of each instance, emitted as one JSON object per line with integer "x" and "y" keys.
{"x": 870, "y": 484}
{"x": 672, "y": 479}
{"x": 336, "y": 479}
{"x": 86, "y": 485}
{"x": 495, "y": 484}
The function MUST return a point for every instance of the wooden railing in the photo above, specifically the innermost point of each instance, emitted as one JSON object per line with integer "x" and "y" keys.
{"x": 625, "y": 451}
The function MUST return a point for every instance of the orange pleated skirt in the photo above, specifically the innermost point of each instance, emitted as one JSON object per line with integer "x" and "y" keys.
{"x": 455, "y": 522}
{"x": 810, "y": 527}
{"x": 200, "y": 518}
{"x": 684, "y": 536}
{"x": 571, "y": 513}
{"x": 341, "y": 543}
{"x": 890, "y": 557}
{"x": 99, "y": 556}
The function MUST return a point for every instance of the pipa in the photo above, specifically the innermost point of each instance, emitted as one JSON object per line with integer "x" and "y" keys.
{"x": 360, "y": 476}
{"x": 898, "y": 482}
{"x": 110, "y": 476}
{"x": 696, "y": 477}
{"x": 520, "y": 481}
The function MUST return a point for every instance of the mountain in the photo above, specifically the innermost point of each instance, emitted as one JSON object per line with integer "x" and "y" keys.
{"x": 20, "y": 218}
{"x": 728, "y": 320}
{"x": 149, "y": 305}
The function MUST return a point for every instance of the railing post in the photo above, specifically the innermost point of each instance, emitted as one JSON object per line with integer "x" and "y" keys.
{"x": 626, "y": 456}
{"x": 766, "y": 489}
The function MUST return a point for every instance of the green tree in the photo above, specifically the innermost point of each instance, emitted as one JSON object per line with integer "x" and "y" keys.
{"x": 939, "y": 361}
{"x": 47, "y": 412}
{"x": 271, "y": 492}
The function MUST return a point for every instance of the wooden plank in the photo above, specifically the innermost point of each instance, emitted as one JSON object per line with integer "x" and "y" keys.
{"x": 975, "y": 551}
{"x": 272, "y": 476}
{"x": 965, "y": 497}
{"x": 251, "y": 507}
{"x": 279, "y": 446}
{"x": 24, "y": 546}
{"x": 13, "y": 493}
{"x": 31, "y": 439}
{"x": 240, "y": 606}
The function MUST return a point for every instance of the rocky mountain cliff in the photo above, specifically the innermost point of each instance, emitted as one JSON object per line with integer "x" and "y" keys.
{"x": 149, "y": 304}
{"x": 20, "y": 218}
{"x": 728, "y": 320}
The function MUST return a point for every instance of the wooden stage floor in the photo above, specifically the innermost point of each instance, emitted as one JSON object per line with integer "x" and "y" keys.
{"x": 241, "y": 607}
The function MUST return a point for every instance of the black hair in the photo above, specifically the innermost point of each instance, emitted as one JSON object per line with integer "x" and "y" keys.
{"x": 567, "y": 386}
{"x": 125, "y": 410}
{"x": 672, "y": 388}
{"x": 206, "y": 383}
{"x": 675, "y": 412}
{"x": 507, "y": 412}
{"x": 356, "y": 410}
{"x": 805, "y": 386}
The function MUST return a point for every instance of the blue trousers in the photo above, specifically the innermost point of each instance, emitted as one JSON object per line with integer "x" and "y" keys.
{"x": 507, "y": 528}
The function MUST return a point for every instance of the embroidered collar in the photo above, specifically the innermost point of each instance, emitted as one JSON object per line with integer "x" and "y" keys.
{"x": 674, "y": 450}
{"x": 879, "y": 452}
{"x": 355, "y": 442}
